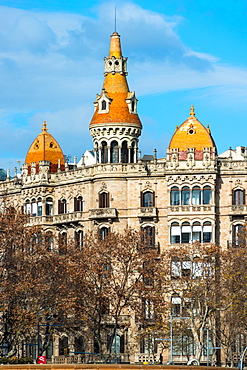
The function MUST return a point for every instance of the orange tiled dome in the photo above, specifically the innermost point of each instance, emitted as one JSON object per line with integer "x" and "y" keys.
{"x": 45, "y": 148}
{"x": 192, "y": 134}
{"x": 116, "y": 89}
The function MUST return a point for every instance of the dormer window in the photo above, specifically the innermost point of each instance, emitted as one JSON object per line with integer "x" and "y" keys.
{"x": 103, "y": 105}
{"x": 132, "y": 103}
{"x": 103, "y": 102}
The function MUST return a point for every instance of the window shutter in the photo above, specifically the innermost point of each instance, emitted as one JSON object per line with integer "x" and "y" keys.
{"x": 59, "y": 206}
{"x": 142, "y": 199}
{"x": 244, "y": 196}
{"x": 153, "y": 199}
{"x": 107, "y": 200}
{"x": 75, "y": 204}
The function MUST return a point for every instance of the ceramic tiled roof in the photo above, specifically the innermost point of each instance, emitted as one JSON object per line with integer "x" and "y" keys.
{"x": 45, "y": 148}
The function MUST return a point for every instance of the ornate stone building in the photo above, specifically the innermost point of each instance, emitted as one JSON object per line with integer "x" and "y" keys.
{"x": 193, "y": 194}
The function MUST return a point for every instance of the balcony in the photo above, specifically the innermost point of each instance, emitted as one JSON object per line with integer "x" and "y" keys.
{"x": 238, "y": 210}
{"x": 99, "y": 213}
{"x": 147, "y": 212}
{"x": 203, "y": 208}
{"x": 56, "y": 219}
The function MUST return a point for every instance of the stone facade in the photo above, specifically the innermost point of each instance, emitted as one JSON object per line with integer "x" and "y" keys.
{"x": 191, "y": 195}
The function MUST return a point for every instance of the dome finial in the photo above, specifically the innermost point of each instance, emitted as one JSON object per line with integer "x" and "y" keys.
{"x": 44, "y": 127}
{"x": 192, "y": 111}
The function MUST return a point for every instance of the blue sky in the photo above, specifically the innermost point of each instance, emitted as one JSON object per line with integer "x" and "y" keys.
{"x": 180, "y": 52}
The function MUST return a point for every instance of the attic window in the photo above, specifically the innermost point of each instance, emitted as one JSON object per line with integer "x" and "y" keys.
{"x": 103, "y": 105}
{"x": 191, "y": 131}
{"x": 133, "y": 106}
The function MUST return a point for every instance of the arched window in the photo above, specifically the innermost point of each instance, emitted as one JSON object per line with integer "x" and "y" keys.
{"x": 238, "y": 197}
{"x": 49, "y": 241}
{"x": 39, "y": 204}
{"x": 34, "y": 208}
{"x": 49, "y": 207}
{"x": 124, "y": 152}
{"x": 147, "y": 199}
{"x": 186, "y": 232}
{"x": 62, "y": 206}
{"x": 238, "y": 236}
{"x": 103, "y": 200}
{"x": 114, "y": 152}
{"x": 78, "y": 204}
{"x": 196, "y": 195}
{"x": 103, "y": 105}
{"x": 104, "y": 152}
{"x": 104, "y": 231}
{"x": 175, "y": 196}
{"x": 196, "y": 232}
{"x": 133, "y": 106}
{"x": 185, "y": 194}
{"x": 79, "y": 239}
{"x": 149, "y": 236}
{"x": 207, "y": 195}
{"x": 62, "y": 242}
{"x": 132, "y": 153}
{"x": 175, "y": 233}
{"x": 28, "y": 207}
{"x": 207, "y": 232}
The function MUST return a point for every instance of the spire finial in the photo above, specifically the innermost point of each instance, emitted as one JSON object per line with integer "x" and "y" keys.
{"x": 115, "y": 19}
{"x": 192, "y": 111}
{"x": 44, "y": 126}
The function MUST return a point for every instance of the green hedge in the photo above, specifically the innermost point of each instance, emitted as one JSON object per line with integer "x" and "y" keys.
{"x": 15, "y": 360}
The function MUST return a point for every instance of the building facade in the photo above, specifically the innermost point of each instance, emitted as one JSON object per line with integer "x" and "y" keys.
{"x": 193, "y": 194}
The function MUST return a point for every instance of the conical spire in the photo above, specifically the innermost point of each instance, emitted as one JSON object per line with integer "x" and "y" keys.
{"x": 115, "y": 104}
{"x": 115, "y": 46}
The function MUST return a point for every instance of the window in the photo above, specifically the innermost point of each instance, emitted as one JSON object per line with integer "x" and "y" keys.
{"x": 132, "y": 153}
{"x": 104, "y": 231}
{"x": 62, "y": 243}
{"x": 124, "y": 152}
{"x": 114, "y": 152}
{"x": 49, "y": 241}
{"x": 34, "y": 208}
{"x": 175, "y": 233}
{"x": 238, "y": 237}
{"x": 186, "y": 232}
{"x": 196, "y": 232}
{"x": 147, "y": 199}
{"x": 148, "y": 309}
{"x": 39, "y": 204}
{"x": 49, "y": 207}
{"x": 62, "y": 206}
{"x": 104, "y": 152}
{"x": 176, "y": 306}
{"x": 79, "y": 239}
{"x": 207, "y": 232}
{"x": 196, "y": 195}
{"x": 185, "y": 193}
{"x": 103, "y": 105}
{"x": 103, "y": 200}
{"x": 28, "y": 207}
{"x": 175, "y": 196}
{"x": 149, "y": 236}
{"x": 207, "y": 195}
{"x": 238, "y": 197}
{"x": 78, "y": 204}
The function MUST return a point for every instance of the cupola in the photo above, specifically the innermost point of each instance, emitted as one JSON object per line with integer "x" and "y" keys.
{"x": 115, "y": 117}
{"x": 192, "y": 135}
{"x": 45, "y": 148}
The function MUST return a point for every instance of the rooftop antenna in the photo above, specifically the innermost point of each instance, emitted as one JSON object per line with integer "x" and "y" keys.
{"x": 115, "y": 19}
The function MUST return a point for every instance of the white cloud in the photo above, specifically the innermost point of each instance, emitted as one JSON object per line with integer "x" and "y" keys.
{"x": 51, "y": 67}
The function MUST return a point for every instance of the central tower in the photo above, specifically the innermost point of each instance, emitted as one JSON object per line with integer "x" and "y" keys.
{"x": 115, "y": 126}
